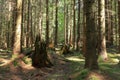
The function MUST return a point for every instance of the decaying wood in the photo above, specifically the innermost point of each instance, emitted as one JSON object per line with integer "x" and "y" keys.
{"x": 40, "y": 57}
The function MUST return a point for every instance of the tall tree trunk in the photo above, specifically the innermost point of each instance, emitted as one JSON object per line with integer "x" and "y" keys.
{"x": 31, "y": 28}
{"x": 47, "y": 22}
{"x": 65, "y": 37}
{"x": 78, "y": 27}
{"x": 109, "y": 24}
{"x": 119, "y": 21}
{"x": 84, "y": 31}
{"x": 70, "y": 25}
{"x": 17, "y": 37}
{"x": 74, "y": 25}
{"x": 9, "y": 25}
{"x": 112, "y": 20}
{"x": 28, "y": 26}
{"x": 116, "y": 22}
{"x": 40, "y": 19}
{"x": 101, "y": 21}
{"x": 56, "y": 22}
{"x": 13, "y": 24}
{"x": 66, "y": 29}
{"x": 91, "y": 53}
{"x": 106, "y": 19}
{"x": 22, "y": 25}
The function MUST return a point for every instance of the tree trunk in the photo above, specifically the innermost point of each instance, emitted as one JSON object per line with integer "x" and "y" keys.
{"x": 119, "y": 21}
{"x": 56, "y": 22}
{"x": 101, "y": 21}
{"x": 78, "y": 27}
{"x": 28, "y": 26}
{"x": 66, "y": 27}
{"x": 91, "y": 53}
{"x": 112, "y": 24}
{"x": 84, "y": 32}
{"x": 74, "y": 25}
{"x": 65, "y": 37}
{"x": 47, "y": 22}
{"x": 106, "y": 19}
{"x": 17, "y": 36}
{"x": 22, "y": 26}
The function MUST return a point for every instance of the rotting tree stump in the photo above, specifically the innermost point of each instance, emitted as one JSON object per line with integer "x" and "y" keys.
{"x": 66, "y": 49}
{"x": 40, "y": 57}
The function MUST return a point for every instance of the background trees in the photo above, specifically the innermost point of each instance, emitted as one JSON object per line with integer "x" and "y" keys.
{"x": 93, "y": 28}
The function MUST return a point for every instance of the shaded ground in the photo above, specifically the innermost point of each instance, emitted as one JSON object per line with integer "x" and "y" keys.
{"x": 60, "y": 70}
{"x": 69, "y": 67}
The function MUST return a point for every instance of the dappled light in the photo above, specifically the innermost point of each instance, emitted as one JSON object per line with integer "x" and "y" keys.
{"x": 59, "y": 39}
{"x": 76, "y": 59}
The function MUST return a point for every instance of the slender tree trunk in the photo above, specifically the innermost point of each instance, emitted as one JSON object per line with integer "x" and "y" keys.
{"x": 13, "y": 24}
{"x": 106, "y": 19}
{"x": 84, "y": 31}
{"x": 109, "y": 24}
{"x": 22, "y": 25}
{"x": 119, "y": 21}
{"x": 70, "y": 25}
{"x": 40, "y": 19}
{"x": 101, "y": 22}
{"x": 78, "y": 27}
{"x": 56, "y": 22}
{"x": 9, "y": 25}
{"x": 28, "y": 26}
{"x": 67, "y": 24}
{"x": 116, "y": 23}
{"x": 47, "y": 22}
{"x": 74, "y": 25}
{"x": 65, "y": 37}
{"x": 112, "y": 20}
{"x": 17, "y": 37}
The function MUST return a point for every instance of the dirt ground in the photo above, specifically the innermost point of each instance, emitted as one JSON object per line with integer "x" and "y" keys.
{"x": 60, "y": 71}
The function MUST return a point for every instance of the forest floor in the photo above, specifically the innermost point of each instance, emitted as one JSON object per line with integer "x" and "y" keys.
{"x": 69, "y": 67}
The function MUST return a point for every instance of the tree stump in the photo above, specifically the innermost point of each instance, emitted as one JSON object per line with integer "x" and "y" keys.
{"x": 40, "y": 57}
{"x": 66, "y": 49}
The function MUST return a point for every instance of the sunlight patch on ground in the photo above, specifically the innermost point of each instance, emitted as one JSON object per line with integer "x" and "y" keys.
{"x": 74, "y": 75}
{"x": 28, "y": 67}
{"x": 74, "y": 59}
{"x": 1, "y": 50}
{"x": 115, "y": 60}
{"x": 4, "y": 61}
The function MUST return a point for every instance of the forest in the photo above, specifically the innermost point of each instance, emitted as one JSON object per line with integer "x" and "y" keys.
{"x": 59, "y": 39}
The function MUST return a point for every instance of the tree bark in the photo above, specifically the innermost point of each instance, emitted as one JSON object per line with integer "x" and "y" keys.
{"x": 74, "y": 25}
{"x": 17, "y": 37}
{"x": 91, "y": 53}
{"x": 56, "y": 22}
{"x": 40, "y": 57}
{"x": 28, "y": 26}
{"x": 47, "y": 22}
{"x": 101, "y": 21}
{"x": 78, "y": 27}
{"x": 119, "y": 21}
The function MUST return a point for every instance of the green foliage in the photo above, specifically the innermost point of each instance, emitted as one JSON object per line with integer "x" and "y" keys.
{"x": 83, "y": 74}
{"x": 15, "y": 63}
{"x": 27, "y": 60}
